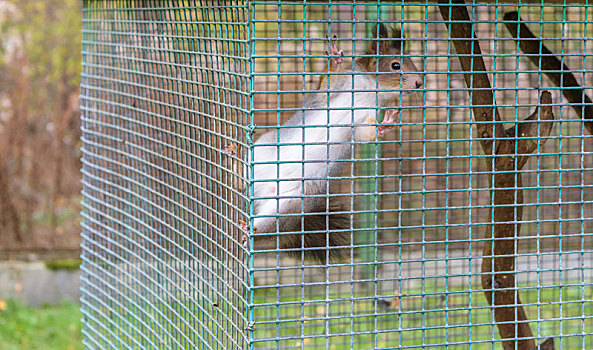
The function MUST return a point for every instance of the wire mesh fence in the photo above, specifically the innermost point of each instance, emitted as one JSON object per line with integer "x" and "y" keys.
{"x": 337, "y": 175}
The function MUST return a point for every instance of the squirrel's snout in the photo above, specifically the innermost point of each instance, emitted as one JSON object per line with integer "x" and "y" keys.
{"x": 418, "y": 84}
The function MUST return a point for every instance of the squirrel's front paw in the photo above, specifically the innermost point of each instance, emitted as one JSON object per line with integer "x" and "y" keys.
{"x": 230, "y": 150}
{"x": 244, "y": 226}
{"x": 337, "y": 54}
{"x": 390, "y": 119}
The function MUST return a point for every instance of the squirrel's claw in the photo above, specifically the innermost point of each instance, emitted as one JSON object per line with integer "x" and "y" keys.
{"x": 230, "y": 150}
{"x": 244, "y": 226}
{"x": 389, "y": 120}
{"x": 391, "y": 116}
{"x": 244, "y": 241}
{"x": 337, "y": 54}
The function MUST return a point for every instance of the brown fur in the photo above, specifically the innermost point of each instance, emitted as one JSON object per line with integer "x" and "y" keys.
{"x": 378, "y": 57}
{"x": 382, "y": 52}
{"x": 325, "y": 233}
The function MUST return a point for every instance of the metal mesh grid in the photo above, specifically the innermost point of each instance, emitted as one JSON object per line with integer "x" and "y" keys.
{"x": 168, "y": 86}
{"x": 161, "y": 268}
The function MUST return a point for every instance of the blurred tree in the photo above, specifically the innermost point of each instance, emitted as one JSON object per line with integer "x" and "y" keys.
{"x": 39, "y": 123}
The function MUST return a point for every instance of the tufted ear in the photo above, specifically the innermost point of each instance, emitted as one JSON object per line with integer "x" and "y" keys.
{"x": 379, "y": 32}
{"x": 397, "y": 41}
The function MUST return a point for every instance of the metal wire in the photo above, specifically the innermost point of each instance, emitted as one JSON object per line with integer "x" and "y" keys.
{"x": 175, "y": 97}
{"x": 162, "y": 268}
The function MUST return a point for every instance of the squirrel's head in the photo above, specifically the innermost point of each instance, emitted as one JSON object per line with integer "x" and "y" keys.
{"x": 384, "y": 55}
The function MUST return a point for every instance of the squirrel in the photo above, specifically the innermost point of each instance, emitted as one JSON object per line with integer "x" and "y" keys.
{"x": 292, "y": 164}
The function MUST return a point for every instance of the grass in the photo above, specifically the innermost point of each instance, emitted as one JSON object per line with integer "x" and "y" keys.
{"x": 429, "y": 319}
{"x": 63, "y": 264}
{"x": 419, "y": 320}
{"x": 48, "y": 327}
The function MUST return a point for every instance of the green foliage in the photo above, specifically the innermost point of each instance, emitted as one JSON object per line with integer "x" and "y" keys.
{"x": 45, "y": 35}
{"x": 63, "y": 264}
{"x": 47, "y": 327}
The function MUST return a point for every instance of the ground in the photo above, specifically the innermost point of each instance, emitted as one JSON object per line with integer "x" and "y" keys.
{"x": 400, "y": 322}
{"x": 48, "y": 327}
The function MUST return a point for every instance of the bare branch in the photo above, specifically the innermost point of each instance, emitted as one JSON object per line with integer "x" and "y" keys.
{"x": 535, "y": 129}
{"x": 470, "y": 55}
{"x": 548, "y": 344}
{"x": 549, "y": 64}
{"x": 9, "y": 214}
{"x": 510, "y": 147}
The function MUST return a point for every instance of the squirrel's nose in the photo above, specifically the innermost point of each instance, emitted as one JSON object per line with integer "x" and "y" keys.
{"x": 418, "y": 84}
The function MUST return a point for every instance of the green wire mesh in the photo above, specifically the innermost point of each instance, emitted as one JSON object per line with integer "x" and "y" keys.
{"x": 160, "y": 267}
{"x": 174, "y": 94}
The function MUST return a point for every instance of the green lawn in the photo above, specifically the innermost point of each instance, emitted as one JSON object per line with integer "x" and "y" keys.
{"x": 421, "y": 320}
{"x": 47, "y": 327}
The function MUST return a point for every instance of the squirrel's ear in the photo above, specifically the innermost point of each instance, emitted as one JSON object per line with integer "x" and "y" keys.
{"x": 397, "y": 41}
{"x": 379, "y": 32}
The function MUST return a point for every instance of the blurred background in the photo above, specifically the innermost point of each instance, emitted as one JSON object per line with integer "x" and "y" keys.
{"x": 40, "y": 54}
{"x": 39, "y": 125}
{"x": 39, "y": 174}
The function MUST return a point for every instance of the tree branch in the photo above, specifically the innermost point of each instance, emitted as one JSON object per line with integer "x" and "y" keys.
{"x": 8, "y": 212}
{"x": 547, "y": 62}
{"x": 506, "y": 156}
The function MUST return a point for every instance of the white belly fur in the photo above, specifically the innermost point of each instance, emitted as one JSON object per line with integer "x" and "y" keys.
{"x": 303, "y": 156}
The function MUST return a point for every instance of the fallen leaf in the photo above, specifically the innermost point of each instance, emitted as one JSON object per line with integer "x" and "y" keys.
{"x": 396, "y": 299}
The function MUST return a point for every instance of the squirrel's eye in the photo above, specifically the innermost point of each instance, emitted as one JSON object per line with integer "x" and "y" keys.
{"x": 395, "y": 65}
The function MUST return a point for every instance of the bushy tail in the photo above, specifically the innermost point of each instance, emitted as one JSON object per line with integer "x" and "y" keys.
{"x": 325, "y": 232}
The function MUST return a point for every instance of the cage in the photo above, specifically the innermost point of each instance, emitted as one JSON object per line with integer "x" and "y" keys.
{"x": 218, "y": 137}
